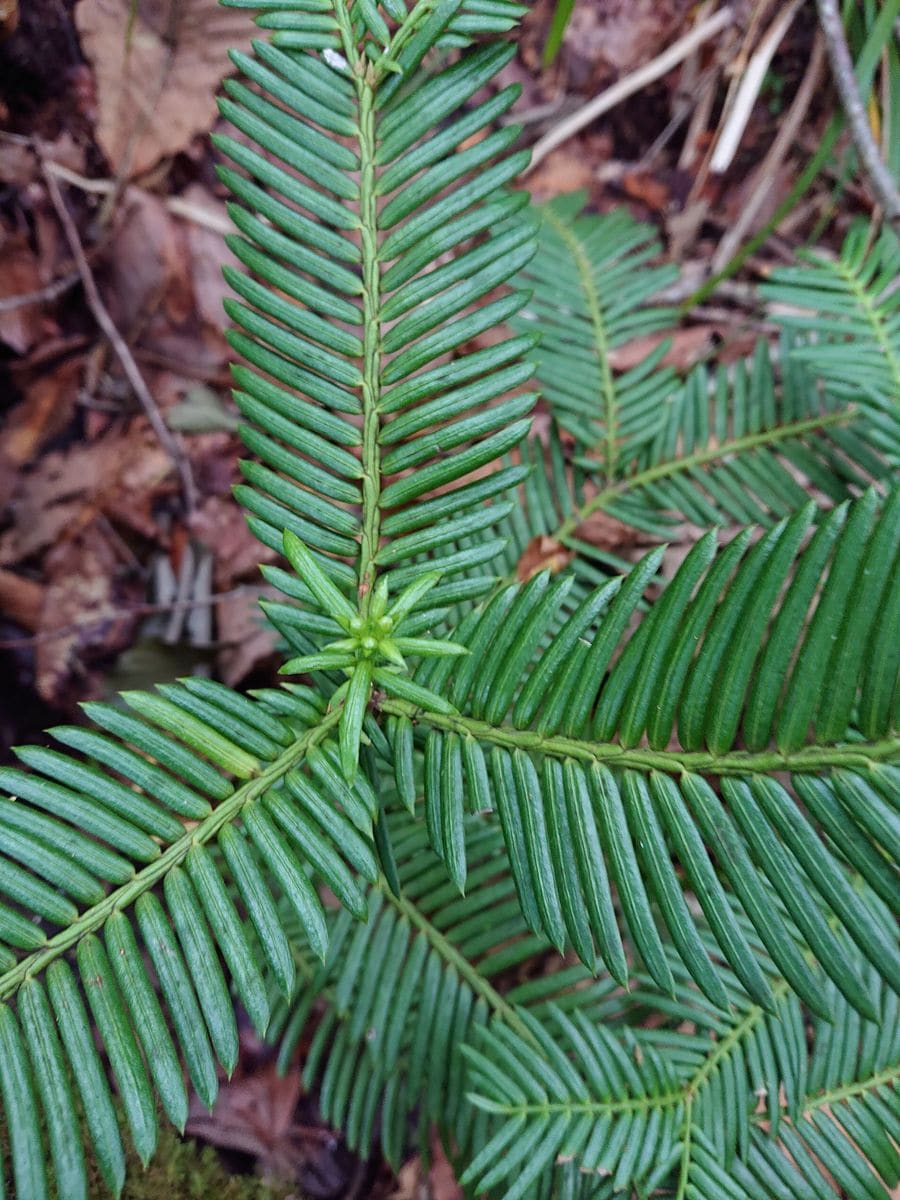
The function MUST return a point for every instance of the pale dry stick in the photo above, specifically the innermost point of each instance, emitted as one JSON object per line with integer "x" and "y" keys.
{"x": 123, "y": 353}
{"x": 777, "y": 151}
{"x": 621, "y": 90}
{"x": 732, "y": 131}
{"x": 177, "y": 205}
{"x": 737, "y": 65}
{"x": 882, "y": 182}
{"x": 51, "y": 291}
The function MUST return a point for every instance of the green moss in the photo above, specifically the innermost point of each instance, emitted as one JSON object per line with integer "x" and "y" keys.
{"x": 180, "y": 1170}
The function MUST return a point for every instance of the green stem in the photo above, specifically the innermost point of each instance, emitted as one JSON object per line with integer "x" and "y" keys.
{"x": 464, "y": 969}
{"x": 700, "y": 458}
{"x": 870, "y": 311}
{"x": 599, "y": 1108}
{"x": 122, "y": 897}
{"x": 886, "y": 1078}
{"x": 592, "y": 296}
{"x": 365, "y": 76}
{"x": 861, "y": 755}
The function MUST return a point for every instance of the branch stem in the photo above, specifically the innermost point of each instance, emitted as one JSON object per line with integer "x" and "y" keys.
{"x": 860, "y": 755}
{"x": 145, "y": 879}
{"x": 843, "y": 73}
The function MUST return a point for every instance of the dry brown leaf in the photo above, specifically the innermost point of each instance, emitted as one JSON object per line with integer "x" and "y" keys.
{"x": 86, "y": 599}
{"x": 121, "y": 475}
{"x": 609, "y": 38}
{"x": 158, "y": 65}
{"x": 246, "y": 640}
{"x": 688, "y": 347}
{"x": 208, "y": 254}
{"x": 20, "y": 599}
{"x": 542, "y": 554}
{"x": 21, "y": 327}
{"x": 607, "y": 533}
{"x": 150, "y": 267}
{"x": 415, "y": 1181}
{"x": 46, "y": 410}
{"x": 564, "y": 170}
{"x": 220, "y": 526}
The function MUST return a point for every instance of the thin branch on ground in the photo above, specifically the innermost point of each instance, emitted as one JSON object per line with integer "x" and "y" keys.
{"x": 768, "y": 168}
{"x": 101, "y": 315}
{"x": 187, "y": 210}
{"x": 651, "y": 71}
{"x": 880, "y": 178}
{"x": 748, "y": 89}
{"x": 52, "y": 291}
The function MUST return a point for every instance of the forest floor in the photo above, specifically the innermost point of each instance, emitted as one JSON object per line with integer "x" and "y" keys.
{"x": 123, "y": 559}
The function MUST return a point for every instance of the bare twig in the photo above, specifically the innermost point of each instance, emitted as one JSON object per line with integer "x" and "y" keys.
{"x": 55, "y": 288}
{"x": 101, "y": 315}
{"x": 880, "y": 178}
{"x": 748, "y": 89}
{"x": 768, "y": 168}
{"x": 187, "y": 210}
{"x": 632, "y": 83}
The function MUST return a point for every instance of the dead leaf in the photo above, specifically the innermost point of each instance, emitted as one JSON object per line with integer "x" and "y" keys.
{"x": 262, "y": 1114}
{"x": 208, "y": 255}
{"x": 688, "y": 347}
{"x": 158, "y": 64}
{"x": 564, "y": 170}
{"x": 648, "y": 188}
{"x": 542, "y": 554}
{"x": 46, "y": 410}
{"x": 416, "y": 1182}
{"x": 606, "y": 532}
{"x": 220, "y": 526}
{"x": 121, "y": 475}
{"x": 9, "y": 18}
{"x": 23, "y": 326}
{"x": 150, "y": 265}
{"x": 84, "y": 616}
{"x": 441, "y": 1177}
{"x": 20, "y": 600}
{"x": 246, "y": 640}
{"x": 609, "y": 38}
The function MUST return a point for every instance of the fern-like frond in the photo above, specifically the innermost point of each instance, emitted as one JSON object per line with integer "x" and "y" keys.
{"x": 850, "y": 310}
{"x": 592, "y": 292}
{"x": 378, "y": 238}
{"x": 128, "y": 850}
{"x": 404, "y": 990}
{"x": 703, "y": 1104}
{"x": 746, "y": 447}
{"x": 360, "y": 183}
{"x": 758, "y": 661}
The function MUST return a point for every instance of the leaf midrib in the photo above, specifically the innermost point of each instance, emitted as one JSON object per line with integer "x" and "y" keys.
{"x": 126, "y": 895}
{"x": 736, "y": 762}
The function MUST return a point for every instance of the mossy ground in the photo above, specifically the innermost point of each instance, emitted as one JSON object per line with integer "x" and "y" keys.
{"x": 180, "y": 1170}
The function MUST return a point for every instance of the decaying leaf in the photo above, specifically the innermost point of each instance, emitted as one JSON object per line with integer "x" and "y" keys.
{"x": 542, "y": 554}
{"x": 85, "y": 612}
{"x": 23, "y": 325}
{"x": 121, "y": 475}
{"x": 158, "y": 64}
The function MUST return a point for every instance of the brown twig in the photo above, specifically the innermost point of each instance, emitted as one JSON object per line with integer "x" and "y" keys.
{"x": 51, "y": 291}
{"x": 640, "y": 78}
{"x": 842, "y": 71}
{"x": 767, "y": 170}
{"x": 101, "y": 315}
